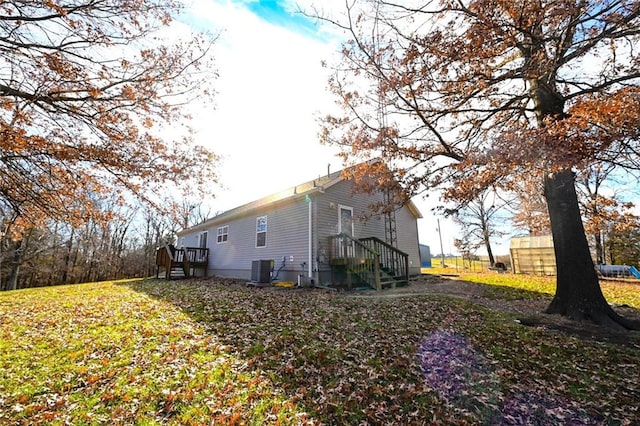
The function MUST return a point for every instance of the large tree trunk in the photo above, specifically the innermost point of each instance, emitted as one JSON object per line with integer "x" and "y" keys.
{"x": 578, "y": 294}
{"x": 16, "y": 262}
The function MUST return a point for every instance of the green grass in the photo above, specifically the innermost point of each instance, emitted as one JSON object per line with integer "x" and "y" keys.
{"x": 201, "y": 352}
{"x": 103, "y": 353}
{"x": 520, "y": 286}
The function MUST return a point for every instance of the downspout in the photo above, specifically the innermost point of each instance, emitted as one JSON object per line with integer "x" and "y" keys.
{"x": 310, "y": 260}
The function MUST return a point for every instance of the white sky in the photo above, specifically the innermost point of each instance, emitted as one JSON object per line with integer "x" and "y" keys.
{"x": 271, "y": 89}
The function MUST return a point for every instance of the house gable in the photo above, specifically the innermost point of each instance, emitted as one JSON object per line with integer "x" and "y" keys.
{"x": 307, "y": 189}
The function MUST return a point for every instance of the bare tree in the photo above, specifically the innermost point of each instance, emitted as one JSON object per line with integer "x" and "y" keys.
{"x": 529, "y": 208}
{"x": 603, "y": 212}
{"x": 480, "y": 221}
{"x": 86, "y": 90}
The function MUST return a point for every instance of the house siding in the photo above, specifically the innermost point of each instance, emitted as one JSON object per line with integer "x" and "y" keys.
{"x": 287, "y": 237}
{"x": 407, "y": 238}
{"x": 327, "y": 208}
{"x": 374, "y": 226}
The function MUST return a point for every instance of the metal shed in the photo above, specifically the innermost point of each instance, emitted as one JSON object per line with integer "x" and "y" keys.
{"x": 533, "y": 255}
{"x": 425, "y": 256}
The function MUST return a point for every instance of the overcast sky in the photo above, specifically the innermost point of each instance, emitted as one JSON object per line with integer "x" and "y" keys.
{"x": 271, "y": 90}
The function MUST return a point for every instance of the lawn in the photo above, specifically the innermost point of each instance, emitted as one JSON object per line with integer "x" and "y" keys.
{"x": 219, "y": 352}
{"x": 520, "y": 286}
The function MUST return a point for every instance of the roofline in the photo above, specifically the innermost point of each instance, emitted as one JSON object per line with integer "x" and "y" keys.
{"x": 415, "y": 211}
{"x": 292, "y": 193}
{"x": 270, "y": 200}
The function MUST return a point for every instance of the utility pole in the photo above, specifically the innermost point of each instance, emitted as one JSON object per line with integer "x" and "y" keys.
{"x": 441, "y": 248}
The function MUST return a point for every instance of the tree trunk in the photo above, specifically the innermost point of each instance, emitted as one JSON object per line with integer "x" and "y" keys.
{"x": 612, "y": 256}
{"x": 67, "y": 259}
{"x": 487, "y": 245}
{"x": 578, "y": 294}
{"x": 598, "y": 248}
{"x": 16, "y": 262}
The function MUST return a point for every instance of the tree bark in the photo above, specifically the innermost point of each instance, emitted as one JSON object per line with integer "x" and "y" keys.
{"x": 487, "y": 245}
{"x": 578, "y": 294}
{"x": 16, "y": 262}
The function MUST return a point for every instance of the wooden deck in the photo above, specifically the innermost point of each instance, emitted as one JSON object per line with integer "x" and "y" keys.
{"x": 181, "y": 262}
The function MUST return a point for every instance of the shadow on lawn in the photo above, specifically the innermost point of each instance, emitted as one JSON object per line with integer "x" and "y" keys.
{"x": 556, "y": 323}
{"x": 526, "y": 306}
{"x": 371, "y": 358}
{"x": 326, "y": 353}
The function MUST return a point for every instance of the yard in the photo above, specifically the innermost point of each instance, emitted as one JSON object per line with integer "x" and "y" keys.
{"x": 219, "y": 352}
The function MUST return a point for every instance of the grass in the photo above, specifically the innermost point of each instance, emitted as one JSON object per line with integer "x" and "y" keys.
{"x": 520, "y": 286}
{"x": 103, "y": 353}
{"x": 206, "y": 352}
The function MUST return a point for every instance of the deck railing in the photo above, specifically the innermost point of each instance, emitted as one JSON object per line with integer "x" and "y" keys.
{"x": 169, "y": 258}
{"x": 194, "y": 255}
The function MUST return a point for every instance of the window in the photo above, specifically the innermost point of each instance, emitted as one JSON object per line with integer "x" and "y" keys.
{"x": 202, "y": 239}
{"x": 261, "y": 231}
{"x": 223, "y": 234}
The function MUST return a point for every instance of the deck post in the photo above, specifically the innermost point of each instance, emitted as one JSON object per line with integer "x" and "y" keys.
{"x": 186, "y": 267}
{"x": 376, "y": 270}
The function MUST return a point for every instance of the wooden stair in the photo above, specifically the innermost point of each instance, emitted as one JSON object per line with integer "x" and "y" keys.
{"x": 177, "y": 271}
{"x": 181, "y": 263}
{"x": 367, "y": 262}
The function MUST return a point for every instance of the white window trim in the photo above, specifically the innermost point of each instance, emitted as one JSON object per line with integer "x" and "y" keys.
{"x": 219, "y": 234}
{"x": 266, "y": 227}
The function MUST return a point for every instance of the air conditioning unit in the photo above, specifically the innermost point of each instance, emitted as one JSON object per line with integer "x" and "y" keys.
{"x": 261, "y": 271}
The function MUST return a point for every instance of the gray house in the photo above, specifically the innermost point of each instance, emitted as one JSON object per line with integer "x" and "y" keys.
{"x": 317, "y": 232}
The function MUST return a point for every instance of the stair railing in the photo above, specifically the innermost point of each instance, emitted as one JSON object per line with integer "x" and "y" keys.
{"x": 357, "y": 259}
{"x": 394, "y": 261}
{"x": 164, "y": 259}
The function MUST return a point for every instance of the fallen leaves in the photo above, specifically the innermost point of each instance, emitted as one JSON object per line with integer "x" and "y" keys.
{"x": 102, "y": 353}
{"x": 522, "y": 286}
{"x": 202, "y": 351}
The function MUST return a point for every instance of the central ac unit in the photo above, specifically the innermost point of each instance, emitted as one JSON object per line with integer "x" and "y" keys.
{"x": 261, "y": 271}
